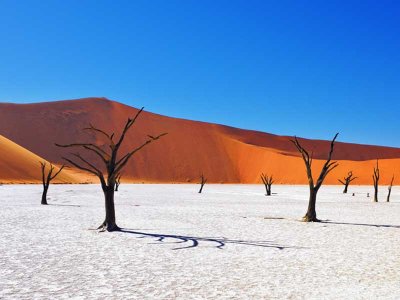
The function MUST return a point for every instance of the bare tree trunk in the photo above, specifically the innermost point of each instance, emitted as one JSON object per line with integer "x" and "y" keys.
{"x": 311, "y": 215}
{"x": 201, "y": 187}
{"x": 390, "y": 190}
{"x": 117, "y": 182}
{"x": 44, "y": 195}
{"x": 109, "y": 223}
{"x": 203, "y": 181}
{"x": 376, "y": 193}
{"x": 112, "y": 162}
{"x": 388, "y": 196}
{"x": 268, "y": 187}
{"x": 47, "y": 178}
{"x": 268, "y": 181}
{"x": 346, "y": 181}
{"x": 375, "y": 178}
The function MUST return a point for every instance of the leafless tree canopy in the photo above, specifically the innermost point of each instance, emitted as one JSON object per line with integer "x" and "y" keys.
{"x": 346, "y": 181}
{"x": 47, "y": 178}
{"x": 268, "y": 181}
{"x": 110, "y": 158}
{"x": 375, "y": 177}
{"x": 328, "y": 166}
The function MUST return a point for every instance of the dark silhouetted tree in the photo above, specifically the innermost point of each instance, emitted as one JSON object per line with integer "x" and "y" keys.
{"x": 311, "y": 215}
{"x": 117, "y": 182}
{"x": 390, "y": 189}
{"x": 375, "y": 178}
{"x": 112, "y": 162}
{"x": 268, "y": 181}
{"x": 203, "y": 181}
{"x": 349, "y": 178}
{"x": 47, "y": 177}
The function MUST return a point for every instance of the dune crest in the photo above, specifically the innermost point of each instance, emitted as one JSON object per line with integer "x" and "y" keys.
{"x": 19, "y": 165}
{"x": 224, "y": 154}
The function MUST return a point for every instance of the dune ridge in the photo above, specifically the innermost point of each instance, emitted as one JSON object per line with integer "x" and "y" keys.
{"x": 19, "y": 165}
{"x": 224, "y": 154}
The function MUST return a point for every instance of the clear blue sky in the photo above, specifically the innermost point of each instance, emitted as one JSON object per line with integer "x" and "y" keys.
{"x": 309, "y": 68}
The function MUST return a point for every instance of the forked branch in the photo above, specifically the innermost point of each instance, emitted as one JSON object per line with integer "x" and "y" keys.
{"x": 347, "y": 180}
{"x": 268, "y": 181}
{"x": 112, "y": 164}
{"x": 47, "y": 178}
{"x": 328, "y": 166}
{"x": 124, "y": 160}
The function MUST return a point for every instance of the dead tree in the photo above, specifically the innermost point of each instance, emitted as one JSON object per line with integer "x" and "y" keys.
{"x": 349, "y": 178}
{"x": 311, "y": 215}
{"x": 203, "y": 181}
{"x": 112, "y": 162}
{"x": 268, "y": 181}
{"x": 375, "y": 178}
{"x": 117, "y": 182}
{"x": 47, "y": 178}
{"x": 390, "y": 189}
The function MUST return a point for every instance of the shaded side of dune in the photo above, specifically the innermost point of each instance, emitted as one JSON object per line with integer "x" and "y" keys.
{"x": 224, "y": 154}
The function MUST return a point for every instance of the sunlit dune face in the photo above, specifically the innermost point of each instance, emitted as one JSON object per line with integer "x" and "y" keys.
{"x": 223, "y": 154}
{"x": 19, "y": 165}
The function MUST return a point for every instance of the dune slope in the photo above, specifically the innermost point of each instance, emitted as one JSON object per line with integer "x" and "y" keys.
{"x": 19, "y": 165}
{"x": 222, "y": 153}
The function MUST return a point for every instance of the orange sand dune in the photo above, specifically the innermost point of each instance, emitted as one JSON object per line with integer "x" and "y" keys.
{"x": 222, "y": 153}
{"x": 18, "y": 165}
{"x": 291, "y": 170}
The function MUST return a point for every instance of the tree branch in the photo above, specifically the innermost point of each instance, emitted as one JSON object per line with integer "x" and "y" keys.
{"x": 59, "y": 171}
{"x": 123, "y": 161}
{"x": 88, "y": 146}
{"x": 79, "y": 166}
{"x": 95, "y": 129}
{"x": 128, "y": 125}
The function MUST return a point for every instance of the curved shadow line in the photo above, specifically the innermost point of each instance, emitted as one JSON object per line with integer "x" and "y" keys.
{"x": 361, "y": 224}
{"x": 219, "y": 243}
{"x": 72, "y": 205}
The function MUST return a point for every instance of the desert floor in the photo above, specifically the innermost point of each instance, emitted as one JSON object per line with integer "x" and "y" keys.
{"x": 231, "y": 242}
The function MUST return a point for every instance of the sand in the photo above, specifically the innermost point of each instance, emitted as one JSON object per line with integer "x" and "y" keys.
{"x": 224, "y": 154}
{"x": 19, "y": 165}
{"x": 231, "y": 242}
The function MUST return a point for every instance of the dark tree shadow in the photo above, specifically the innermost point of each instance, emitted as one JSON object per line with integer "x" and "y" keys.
{"x": 361, "y": 224}
{"x": 193, "y": 241}
{"x": 53, "y": 204}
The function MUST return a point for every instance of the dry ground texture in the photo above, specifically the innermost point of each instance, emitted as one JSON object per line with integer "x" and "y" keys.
{"x": 230, "y": 242}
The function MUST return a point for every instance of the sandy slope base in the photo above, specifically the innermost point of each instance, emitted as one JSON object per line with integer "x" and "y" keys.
{"x": 182, "y": 245}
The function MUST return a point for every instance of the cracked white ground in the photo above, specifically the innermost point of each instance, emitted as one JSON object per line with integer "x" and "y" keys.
{"x": 230, "y": 242}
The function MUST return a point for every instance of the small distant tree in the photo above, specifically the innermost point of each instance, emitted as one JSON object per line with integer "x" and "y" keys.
{"x": 268, "y": 181}
{"x": 203, "y": 181}
{"x": 349, "y": 178}
{"x": 311, "y": 215}
{"x": 117, "y": 182}
{"x": 112, "y": 162}
{"x": 375, "y": 178}
{"x": 47, "y": 177}
{"x": 390, "y": 189}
